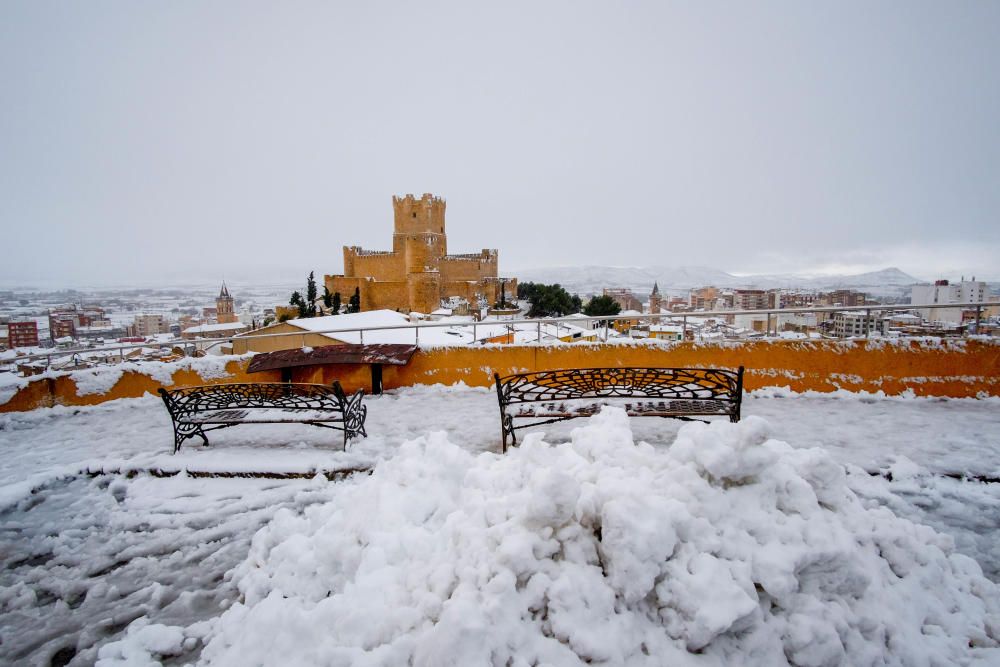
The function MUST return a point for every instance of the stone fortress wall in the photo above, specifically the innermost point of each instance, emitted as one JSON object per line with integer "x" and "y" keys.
{"x": 418, "y": 273}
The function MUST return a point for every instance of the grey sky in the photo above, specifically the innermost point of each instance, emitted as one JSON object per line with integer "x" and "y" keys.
{"x": 169, "y": 141}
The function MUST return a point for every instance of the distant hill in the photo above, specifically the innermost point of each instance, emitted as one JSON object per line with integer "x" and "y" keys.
{"x": 592, "y": 279}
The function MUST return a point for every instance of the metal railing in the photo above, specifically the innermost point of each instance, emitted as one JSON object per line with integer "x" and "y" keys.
{"x": 532, "y": 323}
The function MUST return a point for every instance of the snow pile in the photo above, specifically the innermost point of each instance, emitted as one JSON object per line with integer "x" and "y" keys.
{"x": 102, "y": 379}
{"x": 728, "y": 544}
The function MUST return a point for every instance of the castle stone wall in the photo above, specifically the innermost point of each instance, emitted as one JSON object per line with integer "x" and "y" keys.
{"x": 418, "y": 273}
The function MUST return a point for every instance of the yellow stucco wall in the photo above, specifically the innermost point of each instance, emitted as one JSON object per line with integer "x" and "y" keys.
{"x": 254, "y": 341}
{"x": 954, "y": 369}
{"x": 62, "y": 390}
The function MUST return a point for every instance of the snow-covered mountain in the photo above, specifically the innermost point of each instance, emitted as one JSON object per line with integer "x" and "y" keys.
{"x": 592, "y": 279}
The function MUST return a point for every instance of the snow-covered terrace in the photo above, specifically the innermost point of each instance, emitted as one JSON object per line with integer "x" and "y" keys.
{"x": 604, "y": 540}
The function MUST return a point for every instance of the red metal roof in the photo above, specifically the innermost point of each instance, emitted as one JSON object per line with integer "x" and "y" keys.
{"x": 394, "y": 355}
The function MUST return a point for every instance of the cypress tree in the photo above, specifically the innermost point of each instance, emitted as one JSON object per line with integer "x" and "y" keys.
{"x": 310, "y": 296}
{"x": 335, "y": 303}
{"x": 354, "y": 305}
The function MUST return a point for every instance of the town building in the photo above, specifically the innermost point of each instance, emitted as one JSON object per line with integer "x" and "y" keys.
{"x": 794, "y": 299}
{"x": 672, "y": 332}
{"x": 224, "y": 312}
{"x": 418, "y": 274}
{"x": 842, "y": 297}
{"x": 61, "y": 327}
{"x": 944, "y": 292}
{"x": 625, "y": 299}
{"x": 752, "y": 299}
{"x": 655, "y": 300}
{"x": 218, "y": 330}
{"x": 22, "y": 334}
{"x": 856, "y": 323}
{"x": 148, "y": 325}
{"x": 68, "y": 321}
{"x": 703, "y": 298}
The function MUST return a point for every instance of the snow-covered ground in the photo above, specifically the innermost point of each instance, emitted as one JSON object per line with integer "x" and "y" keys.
{"x": 433, "y": 555}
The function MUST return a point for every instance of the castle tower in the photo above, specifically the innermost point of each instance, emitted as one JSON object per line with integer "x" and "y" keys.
{"x": 419, "y": 219}
{"x": 224, "y": 306}
{"x": 419, "y": 236}
{"x": 655, "y": 301}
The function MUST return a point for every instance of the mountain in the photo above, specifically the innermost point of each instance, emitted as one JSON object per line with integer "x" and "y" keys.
{"x": 586, "y": 280}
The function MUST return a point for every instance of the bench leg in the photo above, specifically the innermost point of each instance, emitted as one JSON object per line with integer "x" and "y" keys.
{"x": 354, "y": 422}
{"x": 184, "y": 431}
{"x": 507, "y": 432}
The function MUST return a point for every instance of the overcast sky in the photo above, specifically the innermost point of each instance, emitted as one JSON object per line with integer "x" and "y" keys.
{"x": 178, "y": 141}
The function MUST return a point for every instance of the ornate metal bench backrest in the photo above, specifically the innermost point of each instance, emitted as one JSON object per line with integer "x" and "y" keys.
{"x": 594, "y": 383}
{"x": 184, "y": 404}
{"x": 206, "y": 398}
{"x": 666, "y": 383}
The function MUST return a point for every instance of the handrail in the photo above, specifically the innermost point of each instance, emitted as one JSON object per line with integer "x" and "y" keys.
{"x": 209, "y": 342}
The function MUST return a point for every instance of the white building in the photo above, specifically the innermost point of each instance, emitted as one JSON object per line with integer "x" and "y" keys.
{"x": 149, "y": 325}
{"x": 966, "y": 291}
{"x": 847, "y": 324}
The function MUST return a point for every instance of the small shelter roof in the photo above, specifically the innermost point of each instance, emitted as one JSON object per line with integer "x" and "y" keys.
{"x": 384, "y": 353}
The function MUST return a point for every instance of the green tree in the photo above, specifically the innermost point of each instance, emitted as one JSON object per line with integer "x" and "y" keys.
{"x": 335, "y": 303}
{"x": 602, "y": 305}
{"x": 296, "y": 301}
{"x": 311, "y": 294}
{"x": 547, "y": 300}
{"x": 354, "y": 305}
{"x": 327, "y": 297}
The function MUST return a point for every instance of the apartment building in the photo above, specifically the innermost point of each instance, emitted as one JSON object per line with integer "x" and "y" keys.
{"x": 22, "y": 334}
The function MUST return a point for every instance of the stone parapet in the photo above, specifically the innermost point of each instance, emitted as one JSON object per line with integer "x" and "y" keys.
{"x": 957, "y": 369}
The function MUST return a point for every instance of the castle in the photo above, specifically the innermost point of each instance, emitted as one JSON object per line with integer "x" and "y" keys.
{"x": 418, "y": 274}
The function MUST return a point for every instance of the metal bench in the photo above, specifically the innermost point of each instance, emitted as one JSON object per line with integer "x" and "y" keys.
{"x": 546, "y": 397}
{"x": 197, "y": 410}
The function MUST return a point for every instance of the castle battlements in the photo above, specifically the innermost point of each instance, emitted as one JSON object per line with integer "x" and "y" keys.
{"x": 361, "y": 252}
{"x": 485, "y": 255}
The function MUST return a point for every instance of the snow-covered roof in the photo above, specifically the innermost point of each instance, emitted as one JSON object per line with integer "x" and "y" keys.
{"x": 208, "y": 328}
{"x": 382, "y": 318}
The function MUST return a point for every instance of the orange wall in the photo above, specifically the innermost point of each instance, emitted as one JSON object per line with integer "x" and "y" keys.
{"x": 961, "y": 369}
{"x": 954, "y": 369}
{"x": 46, "y": 392}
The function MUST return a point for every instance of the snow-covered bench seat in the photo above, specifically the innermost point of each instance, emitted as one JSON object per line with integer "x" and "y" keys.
{"x": 197, "y": 410}
{"x": 677, "y": 393}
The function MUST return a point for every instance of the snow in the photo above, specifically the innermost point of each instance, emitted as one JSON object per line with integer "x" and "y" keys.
{"x": 602, "y": 549}
{"x": 216, "y": 328}
{"x": 717, "y": 539}
{"x": 383, "y": 318}
{"x": 101, "y": 379}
